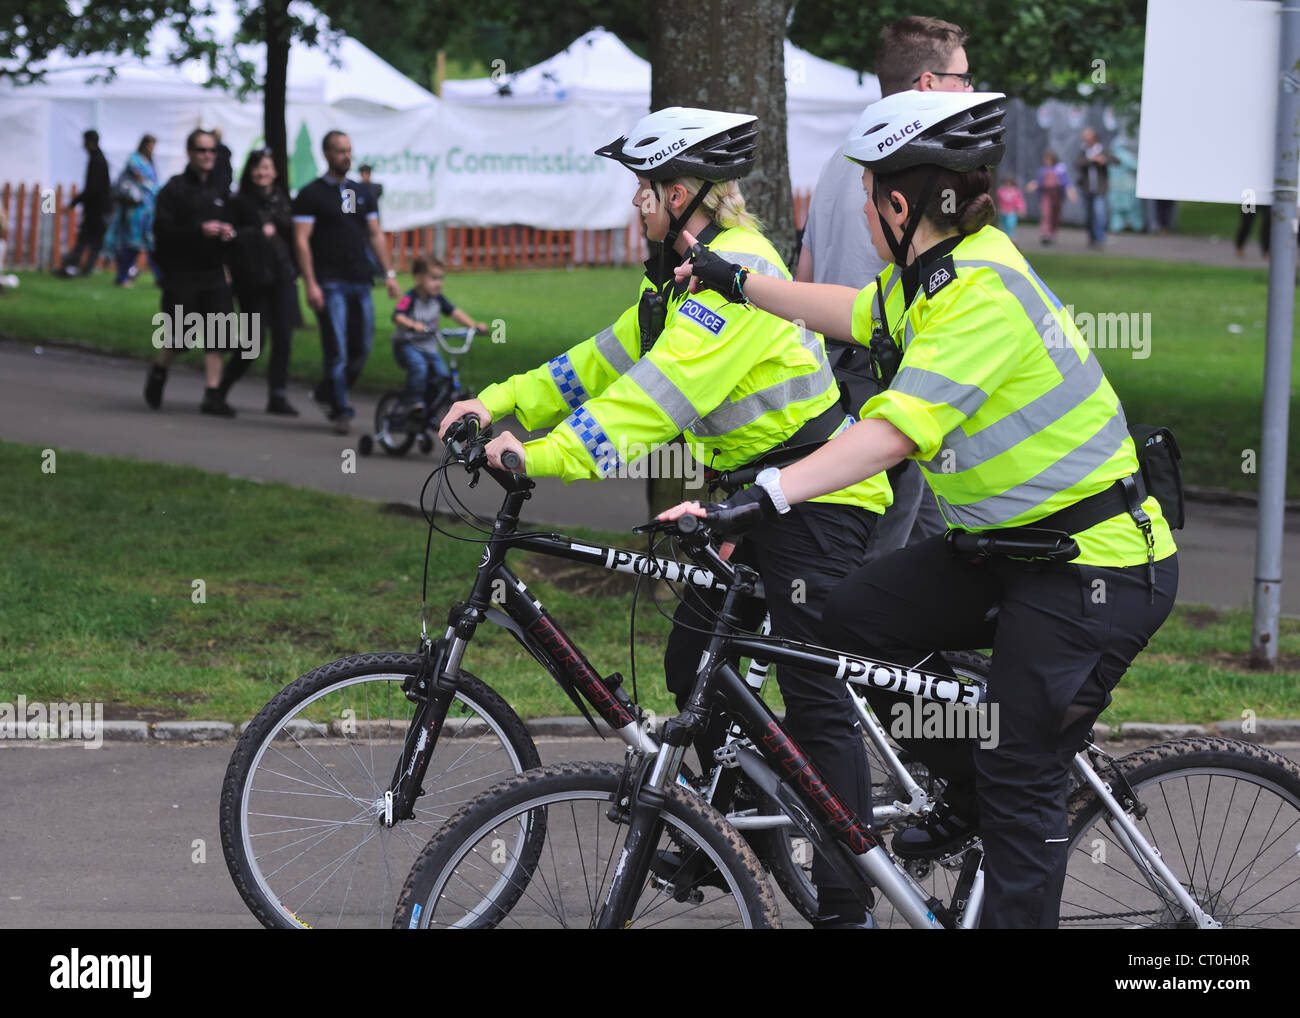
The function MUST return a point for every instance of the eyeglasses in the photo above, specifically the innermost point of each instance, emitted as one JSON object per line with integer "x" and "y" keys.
{"x": 965, "y": 76}
{"x": 202, "y": 150}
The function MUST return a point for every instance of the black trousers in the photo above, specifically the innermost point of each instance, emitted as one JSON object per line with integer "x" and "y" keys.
{"x": 278, "y": 307}
{"x": 90, "y": 239}
{"x": 800, "y": 557}
{"x": 1062, "y": 638}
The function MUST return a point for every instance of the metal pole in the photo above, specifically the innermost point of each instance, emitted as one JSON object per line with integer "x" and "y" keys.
{"x": 1277, "y": 355}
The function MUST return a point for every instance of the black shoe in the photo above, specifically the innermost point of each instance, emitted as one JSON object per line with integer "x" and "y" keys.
{"x": 941, "y": 833}
{"x": 153, "y": 386}
{"x": 214, "y": 402}
{"x": 280, "y": 405}
{"x": 321, "y": 402}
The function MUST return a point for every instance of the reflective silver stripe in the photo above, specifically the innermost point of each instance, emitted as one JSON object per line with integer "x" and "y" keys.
{"x": 1080, "y": 380}
{"x": 908, "y": 334}
{"x": 1059, "y": 476}
{"x": 663, "y": 392}
{"x": 612, "y": 350}
{"x": 936, "y": 388}
{"x": 1043, "y": 317}
{"x": 1001, "y": 436}
{"x": 753, "y": 262}
{"x": 746, "y": 410}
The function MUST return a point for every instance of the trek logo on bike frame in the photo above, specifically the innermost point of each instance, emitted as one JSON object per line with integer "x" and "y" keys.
{"x": 905, "y": 680}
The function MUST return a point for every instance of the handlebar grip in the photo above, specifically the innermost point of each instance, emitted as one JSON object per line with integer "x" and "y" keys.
{"x": 510, "y": 460}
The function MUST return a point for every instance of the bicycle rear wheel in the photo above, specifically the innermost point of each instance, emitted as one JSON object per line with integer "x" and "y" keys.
{"x": 486, "y": 868}
{"x": 1225, "y": 816}
{"x": 303, "y": 805}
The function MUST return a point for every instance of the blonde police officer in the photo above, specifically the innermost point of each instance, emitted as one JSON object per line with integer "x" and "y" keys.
{"x": 1013, "y": 423}
{"x": 738, "y": 382}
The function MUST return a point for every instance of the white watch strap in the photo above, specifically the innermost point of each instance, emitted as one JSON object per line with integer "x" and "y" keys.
{"x": 772, "y": 485}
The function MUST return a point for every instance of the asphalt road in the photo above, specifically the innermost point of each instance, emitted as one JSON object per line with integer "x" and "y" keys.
{"x": 69, "y": 400}
{"x": 126, "y": 837}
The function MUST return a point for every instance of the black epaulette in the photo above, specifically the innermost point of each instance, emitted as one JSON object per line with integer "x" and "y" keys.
{"x": 938, "y": 275}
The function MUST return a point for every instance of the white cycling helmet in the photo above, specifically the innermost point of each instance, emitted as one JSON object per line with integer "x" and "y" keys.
{"x": 683, "y": 142}
{"x": 959, "y": 131}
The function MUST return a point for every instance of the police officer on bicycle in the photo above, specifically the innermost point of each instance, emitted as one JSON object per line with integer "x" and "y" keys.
{"x": 738, "y": 382}
{"x": 1014, "y": 425}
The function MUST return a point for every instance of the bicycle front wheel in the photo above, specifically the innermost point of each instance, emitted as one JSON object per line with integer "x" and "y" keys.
{"x": 303, "y": 806}
{"x": 1225, "y": 816}
{"x": 487, "y": 868}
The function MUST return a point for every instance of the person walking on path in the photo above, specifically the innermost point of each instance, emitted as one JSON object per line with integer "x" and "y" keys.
{"x": 1093, "y": 171}
{"x": 264, "y": 275}
{"x": 335, "y": 221}
{"x": 96, "y": 202}
{"x": 131, "y": 228}
{"x": 193, "y": 231}
{"x": 1053, "y": 186}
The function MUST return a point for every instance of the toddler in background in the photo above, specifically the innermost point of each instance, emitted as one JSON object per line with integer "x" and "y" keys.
{"x": 415, "y": 343}
{"x": 1011, "y": 204}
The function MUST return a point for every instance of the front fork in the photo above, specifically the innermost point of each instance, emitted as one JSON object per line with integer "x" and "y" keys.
{"x": 431, "y": 689}
{"x": 642, "y": 808}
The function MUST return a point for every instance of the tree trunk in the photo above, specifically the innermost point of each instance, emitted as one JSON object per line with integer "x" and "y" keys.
{"x": 730, "y": 55}
{"x": 277, "y": 33}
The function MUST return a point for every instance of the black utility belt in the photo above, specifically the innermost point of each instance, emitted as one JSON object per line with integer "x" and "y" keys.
{"x": 810, "y": 436}
{"x": 1051, "y": 538}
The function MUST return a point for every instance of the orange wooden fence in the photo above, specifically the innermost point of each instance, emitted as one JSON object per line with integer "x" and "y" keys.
{"x": 27, "y": 206}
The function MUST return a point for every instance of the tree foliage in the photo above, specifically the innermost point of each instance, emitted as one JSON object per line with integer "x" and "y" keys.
{"x": 1031, "y": 49}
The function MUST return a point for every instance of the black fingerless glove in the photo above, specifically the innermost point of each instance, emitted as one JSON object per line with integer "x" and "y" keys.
{"x": 727, "y": 278}
{"x": 742, "y": 511}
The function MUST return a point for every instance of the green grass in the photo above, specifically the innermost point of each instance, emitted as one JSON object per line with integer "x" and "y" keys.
{"x": 544, "y": 312}
{"x": 97, "y": 594}
{"x": 1210, "y": 219}
{"x": 97, "y": 602}
{"x": 1200, "y": 378}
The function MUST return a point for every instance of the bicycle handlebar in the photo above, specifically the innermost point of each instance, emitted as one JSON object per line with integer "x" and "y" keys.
{"x": 467, "y": 332}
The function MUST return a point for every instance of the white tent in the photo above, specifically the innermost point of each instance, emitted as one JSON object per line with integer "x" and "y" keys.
{"x": 823, "y": 98}
{"x": 168, "y": 100}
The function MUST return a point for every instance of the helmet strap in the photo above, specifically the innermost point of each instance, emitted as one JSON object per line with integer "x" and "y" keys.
{"x": 676, "y": 223}
{"x": 898, "y": 246}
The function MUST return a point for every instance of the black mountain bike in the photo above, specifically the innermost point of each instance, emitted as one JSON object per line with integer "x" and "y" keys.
{"x": 339, "y": 782}
{"x": 1195, "y": 833}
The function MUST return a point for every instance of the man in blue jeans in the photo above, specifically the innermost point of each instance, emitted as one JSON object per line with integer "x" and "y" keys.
{"x": 335, "y": 221}
{"x": 1093, "y": 174}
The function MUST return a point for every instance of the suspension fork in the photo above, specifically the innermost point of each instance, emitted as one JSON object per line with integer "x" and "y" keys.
{"x": 434, "y": 686}
{"x": 650, "y": 793}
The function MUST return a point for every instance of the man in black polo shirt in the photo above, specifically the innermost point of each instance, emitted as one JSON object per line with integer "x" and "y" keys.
{"x": 335, "y": 221}
{"x": 192, "y": 231}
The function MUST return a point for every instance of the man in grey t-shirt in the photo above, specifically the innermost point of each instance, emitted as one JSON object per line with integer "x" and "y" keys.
{"x": 915, "y": 52}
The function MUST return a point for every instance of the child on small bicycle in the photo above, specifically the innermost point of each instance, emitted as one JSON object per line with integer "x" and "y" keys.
{"x": 415, "y": 343}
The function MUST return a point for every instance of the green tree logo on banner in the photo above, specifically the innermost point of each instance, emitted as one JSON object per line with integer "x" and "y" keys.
{"x": 302, "y": 166}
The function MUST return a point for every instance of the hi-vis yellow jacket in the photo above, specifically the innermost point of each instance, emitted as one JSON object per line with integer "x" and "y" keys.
{"x": 1011, "y": 414}
{"x": 736, "y": 380}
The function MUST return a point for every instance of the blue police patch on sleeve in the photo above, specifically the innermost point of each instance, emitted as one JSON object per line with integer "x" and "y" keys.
{"x": 704, "y": 316}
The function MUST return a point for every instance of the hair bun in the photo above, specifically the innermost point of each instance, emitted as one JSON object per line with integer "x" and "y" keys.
{"x": 976, "y": 213}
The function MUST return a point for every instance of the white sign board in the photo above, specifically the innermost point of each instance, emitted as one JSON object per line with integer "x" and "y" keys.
{"x": 1209, "y": 101}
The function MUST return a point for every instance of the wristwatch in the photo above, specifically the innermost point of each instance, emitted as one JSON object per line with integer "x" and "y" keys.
{"x": 770, "y": 481}
{"x": 390, "y": 274}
